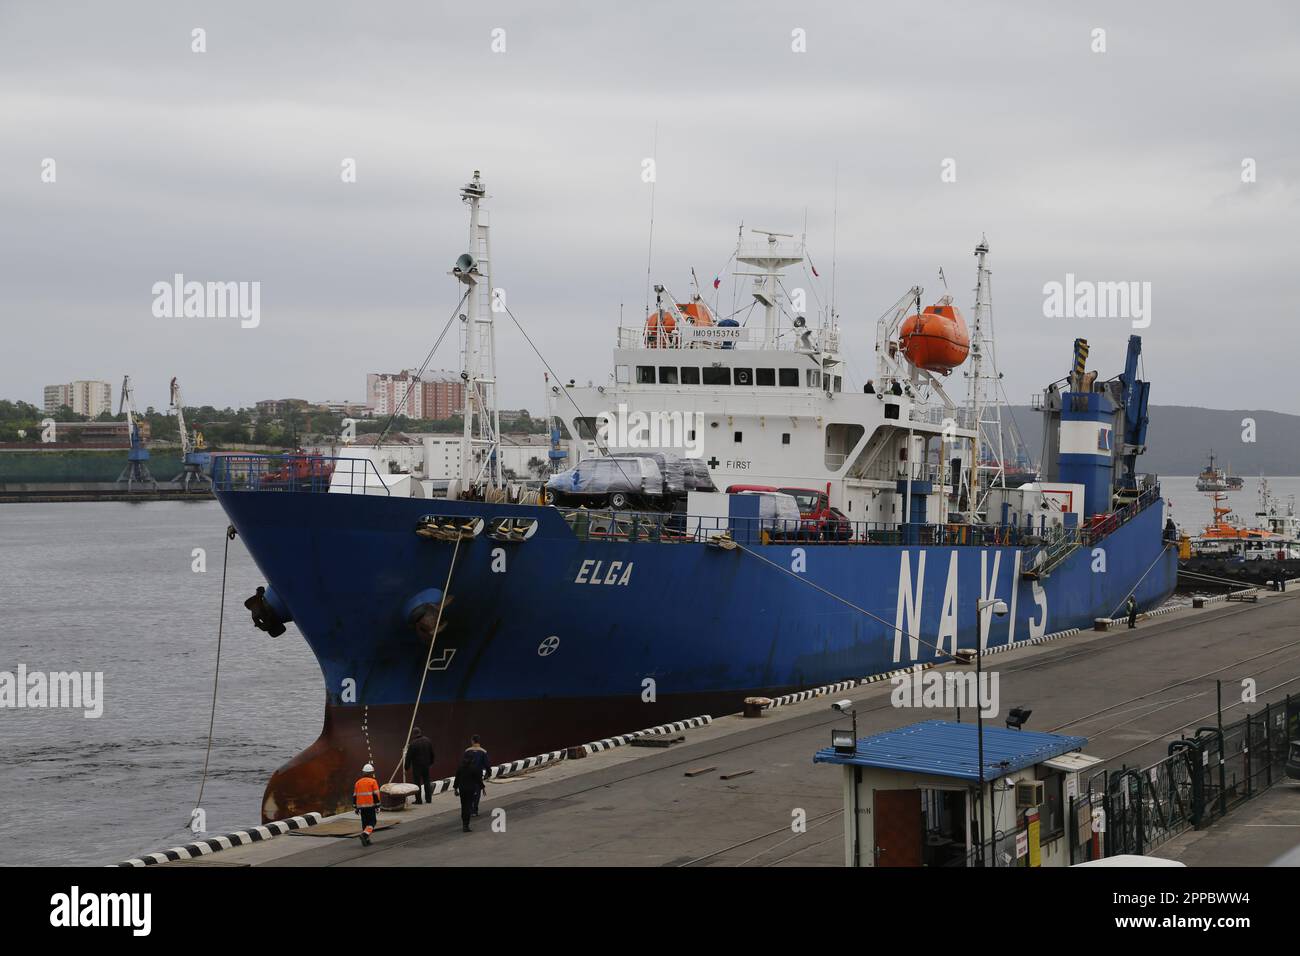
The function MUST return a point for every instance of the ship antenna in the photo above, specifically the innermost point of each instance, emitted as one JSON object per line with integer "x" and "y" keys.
{"x": 835, "y": 232}
{"x": 649, "y": 255}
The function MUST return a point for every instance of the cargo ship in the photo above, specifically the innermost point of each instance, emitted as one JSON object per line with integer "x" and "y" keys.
{"x": 475, "y": 607}
{"x": 1213, "y": 478}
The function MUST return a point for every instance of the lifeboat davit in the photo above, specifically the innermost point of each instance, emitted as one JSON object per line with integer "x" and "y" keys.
{"x": 936, "y": 339}
{"x": 660, "y": 329}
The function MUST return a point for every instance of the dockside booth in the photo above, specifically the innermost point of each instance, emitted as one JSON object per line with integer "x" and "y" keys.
{"x": 912, "y": 796}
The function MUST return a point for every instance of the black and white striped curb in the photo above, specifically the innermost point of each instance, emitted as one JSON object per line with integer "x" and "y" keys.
{"x": 191, "y": 851}
{"x": 609, "y": 743}
{"x": 1220, "y": 598}
{"x": 505, "y": 769}
{"x": 1034, "y": 641}
{"x": 555, "y": 756}
{"x": 803, "y": 695}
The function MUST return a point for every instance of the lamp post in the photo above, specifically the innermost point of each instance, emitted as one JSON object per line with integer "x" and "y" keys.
{"x": 1000, "y": 609}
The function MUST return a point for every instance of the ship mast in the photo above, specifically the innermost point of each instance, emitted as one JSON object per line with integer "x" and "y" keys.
{"x": 985, "y": 409}
{"x": 772, "y": 257}
{"x": 479, "y": 458}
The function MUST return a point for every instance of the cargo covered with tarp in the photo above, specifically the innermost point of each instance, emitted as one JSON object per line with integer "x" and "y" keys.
{"x": 617, "y": 474}
{"x": 680, "y": 474}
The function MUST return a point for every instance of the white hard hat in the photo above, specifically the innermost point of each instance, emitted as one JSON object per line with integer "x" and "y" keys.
{"x": 368, "y": 768}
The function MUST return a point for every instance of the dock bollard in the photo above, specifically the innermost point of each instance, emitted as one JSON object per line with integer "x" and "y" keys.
{"x": 754, "y": 706}
{"x": 393, "y": 796}
{"x": 1101, "y": 624}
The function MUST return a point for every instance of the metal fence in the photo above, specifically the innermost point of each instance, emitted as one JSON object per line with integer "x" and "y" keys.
{"x": 1203, "y": 778}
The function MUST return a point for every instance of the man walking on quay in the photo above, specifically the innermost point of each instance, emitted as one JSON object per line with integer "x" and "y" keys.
{"x": 419, "y": 760}
{"x": 467, "y": 785}
{"x": 1132, "y": 607}
{"x": 484, "y": 765}
{"x": 365, "y": 801}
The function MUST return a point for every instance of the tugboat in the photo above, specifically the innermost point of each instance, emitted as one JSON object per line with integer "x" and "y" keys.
{"x": 1227, "y": 551}
{"x": 476, "y": 609}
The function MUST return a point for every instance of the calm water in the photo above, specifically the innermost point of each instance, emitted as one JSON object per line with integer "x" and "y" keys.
{"x": 109, "y": 587}
{"x": 1190, "y": 508}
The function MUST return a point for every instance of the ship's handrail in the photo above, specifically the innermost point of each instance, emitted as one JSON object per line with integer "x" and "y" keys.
{"x": 1058, "y": 544}
{"x": 312, "y": 474}
{"x": 608, "y": 525}
{"x": 612, "y": 525}
{"x": 748, "y": 339}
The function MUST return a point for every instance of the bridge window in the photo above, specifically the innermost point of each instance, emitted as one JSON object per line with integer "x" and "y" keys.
{"x": 785, "y": 438}
{"x": 789, "y": 377}
{"x": 814, "y": 378}
{"x": 764, "y": 376}
{"x": 690, "y": 376}
{"x": 744, "y": 376}
{"x": 739, "y": 437}
{"x": 717, "y": 376}
{"x": 667, "y": 374}
{"x": 645, "y": 374}
{"x": 621, "y": 374}
{"x": 891, "y": 410}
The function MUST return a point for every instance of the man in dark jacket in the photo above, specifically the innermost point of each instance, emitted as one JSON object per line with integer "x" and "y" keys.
{"x": 1132, "y": 607}
{"x": 467, "y": 786}
{"x": 482, "y": 762}
{"x": 419, "y": 759}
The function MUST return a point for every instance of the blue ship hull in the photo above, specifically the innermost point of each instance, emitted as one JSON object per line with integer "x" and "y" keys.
{"x": 560, "y": 639}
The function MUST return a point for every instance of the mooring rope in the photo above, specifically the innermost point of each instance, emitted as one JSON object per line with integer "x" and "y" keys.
{"x": 1133, "y": 590}
{"x": 216, "y": 673}
{"x": 401, "y": 762}
{"x": 893, "y": 627}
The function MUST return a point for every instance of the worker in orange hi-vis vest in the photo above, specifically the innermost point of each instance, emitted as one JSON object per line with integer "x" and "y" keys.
{"x": 365, "y": 801}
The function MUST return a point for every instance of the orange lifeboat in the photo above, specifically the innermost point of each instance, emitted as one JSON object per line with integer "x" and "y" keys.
{"x": 660, "y": 329}
{"x": 697, "y": 312}
{"x": 936, "y": 339}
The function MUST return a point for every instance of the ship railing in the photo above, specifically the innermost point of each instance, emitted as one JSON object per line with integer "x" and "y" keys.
{"x": 1058, "y": 543}
{"x": 311, "y": 474}
{"x": 631, "y": 525}
{"x": 634, "y": 526}
{"x": 739, "y": 338}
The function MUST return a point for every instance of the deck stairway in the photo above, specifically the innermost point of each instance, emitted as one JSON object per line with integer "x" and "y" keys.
{"x": 1055, "y": 550}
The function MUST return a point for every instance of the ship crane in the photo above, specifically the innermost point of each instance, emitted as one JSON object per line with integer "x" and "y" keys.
{"x": 137, "y": 458}
{"x": 194, "y": 459}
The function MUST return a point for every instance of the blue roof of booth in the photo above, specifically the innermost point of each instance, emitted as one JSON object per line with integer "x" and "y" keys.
{"x": 946, "y": 749}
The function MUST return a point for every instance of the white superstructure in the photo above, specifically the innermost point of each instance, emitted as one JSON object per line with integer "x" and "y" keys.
{"x": 772, "y": 404}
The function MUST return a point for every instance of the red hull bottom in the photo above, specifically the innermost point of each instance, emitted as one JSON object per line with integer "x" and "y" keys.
{"x": 322, "y": 776}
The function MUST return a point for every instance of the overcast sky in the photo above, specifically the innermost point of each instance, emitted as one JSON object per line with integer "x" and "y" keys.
{"x": 225, "y": 166}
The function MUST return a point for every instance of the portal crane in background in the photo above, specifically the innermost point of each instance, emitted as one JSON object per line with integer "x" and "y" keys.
{"x": 195, "y": 461}
{"x": 137, "y": 458}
